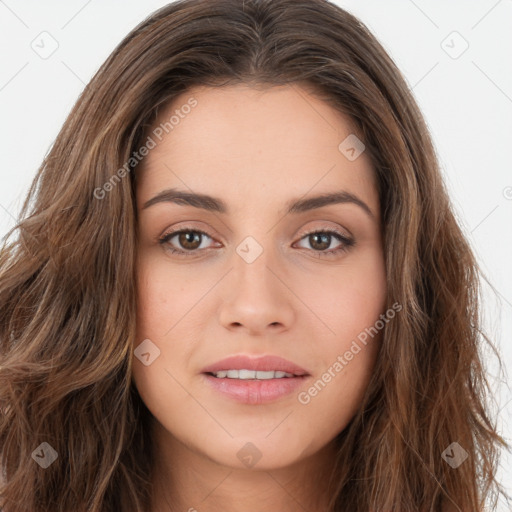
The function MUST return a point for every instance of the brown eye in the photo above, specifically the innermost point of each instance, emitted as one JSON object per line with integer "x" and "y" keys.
{"x": 187, "y": 240}
{"x": 320, "y": 241}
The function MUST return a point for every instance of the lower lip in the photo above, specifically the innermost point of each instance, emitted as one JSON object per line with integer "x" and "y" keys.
{"x": 255, "y": 392}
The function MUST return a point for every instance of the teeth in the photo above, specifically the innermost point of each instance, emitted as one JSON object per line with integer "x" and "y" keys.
{"x": 251, "y": 374}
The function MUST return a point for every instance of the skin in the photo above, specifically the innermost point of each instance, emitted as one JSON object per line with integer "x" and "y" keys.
{"x": 256, "y": 150}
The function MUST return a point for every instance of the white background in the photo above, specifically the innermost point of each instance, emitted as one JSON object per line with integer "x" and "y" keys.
{"x": 467, "y": 102}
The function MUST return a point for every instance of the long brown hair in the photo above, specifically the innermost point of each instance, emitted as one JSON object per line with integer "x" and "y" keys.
{"x": 67, "y": 280}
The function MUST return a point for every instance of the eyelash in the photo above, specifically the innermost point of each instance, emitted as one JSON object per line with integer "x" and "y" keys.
{"x": 347, "y": 243}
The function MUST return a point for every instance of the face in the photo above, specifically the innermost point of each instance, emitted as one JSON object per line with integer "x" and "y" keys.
{"x": 244, "y": 273}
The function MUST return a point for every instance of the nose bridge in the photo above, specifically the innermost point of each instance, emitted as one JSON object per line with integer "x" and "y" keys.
{"x": 252, "y": 260}
{"x": 256, "y": 298}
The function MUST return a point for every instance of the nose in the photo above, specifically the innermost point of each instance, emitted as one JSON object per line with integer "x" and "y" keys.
{"x": 257, "y": 296}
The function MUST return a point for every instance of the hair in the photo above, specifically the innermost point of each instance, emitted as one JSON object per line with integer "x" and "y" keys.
{"x": 67, "y": 281}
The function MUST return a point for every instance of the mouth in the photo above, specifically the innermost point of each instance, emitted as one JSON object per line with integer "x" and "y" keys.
{"x": 244, "y": 374}
{"x": 255, "y": 380}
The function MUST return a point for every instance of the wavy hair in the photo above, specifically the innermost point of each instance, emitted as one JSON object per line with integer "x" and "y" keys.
{"x": 67, "y": 279}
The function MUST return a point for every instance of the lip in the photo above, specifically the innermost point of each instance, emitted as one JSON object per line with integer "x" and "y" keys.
{"x": 259, "y": 363}
{"x": 252, "y": 391}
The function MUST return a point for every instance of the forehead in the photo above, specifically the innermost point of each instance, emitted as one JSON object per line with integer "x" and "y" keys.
{"x": 280, "y": 141}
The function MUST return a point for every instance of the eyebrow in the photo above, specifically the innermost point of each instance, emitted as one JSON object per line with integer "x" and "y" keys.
{"x": 214, "y": 204}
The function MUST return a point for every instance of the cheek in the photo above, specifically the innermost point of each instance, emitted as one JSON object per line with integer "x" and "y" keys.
{"x": 347, "y": 299}
{"x": 167, "y": 305}
{"x": 335, "y": 395}
{"x": 349, "y": 329}
{"x": 164, "y": 295}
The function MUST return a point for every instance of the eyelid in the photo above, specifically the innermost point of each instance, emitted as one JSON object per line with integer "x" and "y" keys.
{"x": 330, "y": 228}
{"x": 191, "y": 227}
{"x": 188, "y": 226}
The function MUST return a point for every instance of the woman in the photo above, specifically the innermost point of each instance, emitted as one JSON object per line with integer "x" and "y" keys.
{"x": 238, "y": 284}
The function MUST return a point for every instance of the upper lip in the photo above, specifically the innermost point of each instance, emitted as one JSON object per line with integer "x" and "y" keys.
{"x": 257, "y": 363}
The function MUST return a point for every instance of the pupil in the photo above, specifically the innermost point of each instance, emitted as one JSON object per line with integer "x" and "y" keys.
{"x": 323, "y": 244}
{"x": 188, "y": 238}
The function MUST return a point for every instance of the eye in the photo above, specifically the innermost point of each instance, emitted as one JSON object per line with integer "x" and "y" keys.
{"x": 192, "y": 241}
{"x": 320, "y": 240}
{"x": 188, "y": 239}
